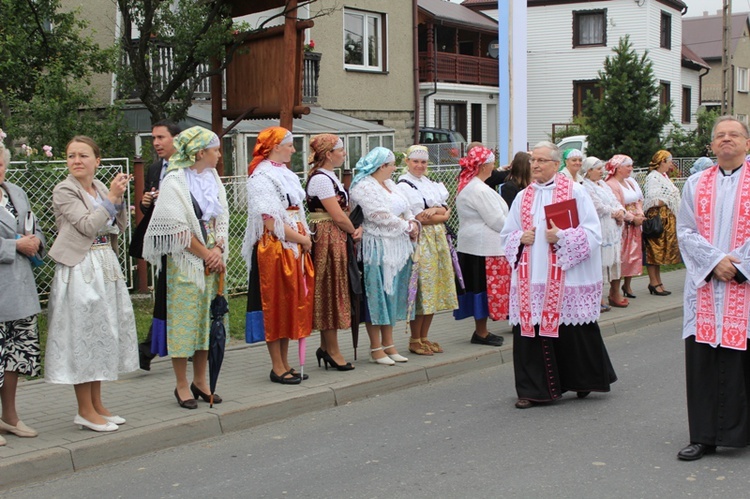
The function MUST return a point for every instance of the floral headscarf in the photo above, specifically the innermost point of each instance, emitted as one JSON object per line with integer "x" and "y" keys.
{"x": 617, "y": 161}
{"x": 701, "y": 164}
{"x": 569, "y": 153}
{"x": 470, "y": 164}
{"x": 373, "y": 160}
{"x": 657, "y": 158}
{"x": 267, "y": 140}
{"x": 320, "y": 145}
{"x": 188, "y": 143}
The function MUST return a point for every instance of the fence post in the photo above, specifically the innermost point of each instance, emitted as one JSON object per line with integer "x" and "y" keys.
{"x": 140, "y": 184}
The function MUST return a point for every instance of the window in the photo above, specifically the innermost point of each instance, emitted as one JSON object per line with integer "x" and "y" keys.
{"x": 666, "y": 31}
{"x": 374, "y": 141}
{"x": 590, "y": 28}
{"x": 742, "y": 80}
{"x": 581, "y": 92}
{"x": 666, "y": 93}
{"x": 742, "y": 118}
{"x": 451, "y": 116}
{"x": 364, "y": 40}
{"x": 686, "y": 98}
{"x": 353, "y": 150}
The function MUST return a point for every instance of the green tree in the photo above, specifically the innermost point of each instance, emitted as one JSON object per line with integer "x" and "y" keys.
{"x": 170, "y": 48}
{"x": 629, "y": 118}
{"x": 46, "y": 62}
{"x": 696, "y": 142}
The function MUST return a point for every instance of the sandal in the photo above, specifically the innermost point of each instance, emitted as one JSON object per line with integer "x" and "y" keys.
{"x": 433, "y": 345}
{"x": 416, "y": 346}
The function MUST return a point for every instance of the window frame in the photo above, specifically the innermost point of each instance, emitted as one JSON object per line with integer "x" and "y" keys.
{"x": 665, "y": 31}
{"x": 665, "y": 95}
{"x": 687, "y": 96}
{"x": 742, "y": 80}
{"x": 382, "y": 33}
{"x": 577, "y": 16}
{"x": 579, "y": 97}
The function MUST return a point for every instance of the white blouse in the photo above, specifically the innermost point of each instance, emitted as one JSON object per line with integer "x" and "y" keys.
{"x": 481, "y": 216}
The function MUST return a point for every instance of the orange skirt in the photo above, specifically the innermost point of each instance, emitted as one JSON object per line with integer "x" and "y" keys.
{"x": 287, "y": 289}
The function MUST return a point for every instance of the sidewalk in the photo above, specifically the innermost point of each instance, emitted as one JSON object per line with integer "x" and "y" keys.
{"x": 154, "y": 421}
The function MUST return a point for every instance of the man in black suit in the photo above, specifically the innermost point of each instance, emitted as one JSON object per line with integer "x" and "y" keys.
{"x": 163, "y": 133}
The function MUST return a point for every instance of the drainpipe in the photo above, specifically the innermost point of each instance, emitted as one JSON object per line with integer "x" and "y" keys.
{"x": 434, "y": 74}
{"x": 415, "y": 49}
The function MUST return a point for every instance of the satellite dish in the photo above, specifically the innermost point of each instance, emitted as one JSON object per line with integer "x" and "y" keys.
{"x": 493, "y": 48}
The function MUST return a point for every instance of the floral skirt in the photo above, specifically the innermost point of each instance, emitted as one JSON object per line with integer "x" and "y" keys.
{"x": 383, "y": 309}
{"x": 188, "y": 312}
{"x": 331, "y": 307}
{"x": 91, "y": 322}
{"x": 437, "y": 288}
{"x": 487, "y": 280}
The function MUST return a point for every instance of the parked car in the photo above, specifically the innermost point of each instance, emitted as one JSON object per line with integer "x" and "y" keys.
{"x": 445, "y": 146}
{"x": 579, "y": 142}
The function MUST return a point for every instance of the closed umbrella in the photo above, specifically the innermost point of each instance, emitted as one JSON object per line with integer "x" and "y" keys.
{"x": 217, "y": 337}
{"x": 355, "y": 277}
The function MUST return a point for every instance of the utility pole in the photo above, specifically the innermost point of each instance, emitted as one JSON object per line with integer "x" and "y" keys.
{"x": 726, "y": 39}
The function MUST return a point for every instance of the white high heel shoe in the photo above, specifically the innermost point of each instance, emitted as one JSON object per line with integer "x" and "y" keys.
{"x": 396, "y": 356}
{"x": 383, "y": 361}
{"x": 85, "y": 423}
{"x": 115, "y": 419}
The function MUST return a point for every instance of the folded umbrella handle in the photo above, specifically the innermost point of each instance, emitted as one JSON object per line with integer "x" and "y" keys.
{"x": 221, "y": 285}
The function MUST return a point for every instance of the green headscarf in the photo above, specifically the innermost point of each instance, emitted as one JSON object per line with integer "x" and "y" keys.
{"x": 569, "y": 153}
{"x": 188, "y": 143}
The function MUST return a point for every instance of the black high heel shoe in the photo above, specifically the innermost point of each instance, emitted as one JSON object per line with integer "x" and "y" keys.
{"x": 320, "y": 354}
{"x": 198, "y": 393}
{"x": 626, "y": 294}
{"x": 327, "y": 359}
{"x": 652, "y": 290}
{"x": 185, "y": 404}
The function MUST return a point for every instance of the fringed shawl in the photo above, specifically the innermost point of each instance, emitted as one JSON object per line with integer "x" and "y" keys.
{"x": 267, "y": 195}
{"x": 173, "y": 224}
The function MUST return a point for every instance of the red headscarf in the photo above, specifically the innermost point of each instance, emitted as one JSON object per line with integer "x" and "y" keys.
{"x": 470, "y": 164}
{"x": 267, "y": 140}
{"x": 617, "y": 161}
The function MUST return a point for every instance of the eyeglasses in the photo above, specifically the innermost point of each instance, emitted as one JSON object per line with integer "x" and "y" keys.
{"x": 731, "y": 135}
{"x": 541, "y": 160}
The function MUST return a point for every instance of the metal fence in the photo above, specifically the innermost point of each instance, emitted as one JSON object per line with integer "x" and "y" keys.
{"x": 38, "y": 179}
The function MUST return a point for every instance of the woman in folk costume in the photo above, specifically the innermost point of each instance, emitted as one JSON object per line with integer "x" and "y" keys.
{"x": 556, "y": 289}
{"x": 611, "y": 216}
{"x": 277, "y": 251}
{"x": 91, "y": 323}
{"x": 572, "y": 160}
{"x": 628, "y": 193}
{"x": 386, "y": 250}
{"x": 328, "y": 204}
{"x": 436, "y": 289}
{"x": 190, "y": 224}
{"x": 481, "y": 214}
{"x": 662, "y": 199}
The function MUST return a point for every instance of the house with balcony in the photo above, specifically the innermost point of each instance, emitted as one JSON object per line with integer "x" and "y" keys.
{"x": 568, "y": 41}
{"x": 458, "y": 70}
{"x": 702, "y": 35}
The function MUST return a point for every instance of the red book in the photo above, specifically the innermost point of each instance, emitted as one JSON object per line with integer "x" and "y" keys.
{"x": 564, "y": 214}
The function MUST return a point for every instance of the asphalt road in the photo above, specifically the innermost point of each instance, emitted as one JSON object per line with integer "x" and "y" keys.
{"x": 459, "y": 437}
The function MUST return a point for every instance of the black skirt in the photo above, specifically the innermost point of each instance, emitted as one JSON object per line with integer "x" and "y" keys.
{"x": 576, "y": 361}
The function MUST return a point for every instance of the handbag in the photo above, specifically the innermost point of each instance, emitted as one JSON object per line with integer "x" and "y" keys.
{"x": 653, "y": 227}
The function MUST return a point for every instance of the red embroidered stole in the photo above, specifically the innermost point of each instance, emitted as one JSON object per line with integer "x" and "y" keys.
{"x": 736, "y": 300}
{"x": 552, "y": 305}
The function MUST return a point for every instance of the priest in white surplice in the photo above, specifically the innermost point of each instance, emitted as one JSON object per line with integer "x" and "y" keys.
{"x": 556, "y": 289}
{"x": 713, "y": 230}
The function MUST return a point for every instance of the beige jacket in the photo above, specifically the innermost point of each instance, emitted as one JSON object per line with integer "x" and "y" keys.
{"x": 78, "y": 222}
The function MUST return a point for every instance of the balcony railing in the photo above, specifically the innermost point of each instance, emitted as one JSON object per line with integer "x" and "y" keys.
{"x": 310, "y": 73}
{"x": 456, "y": 68}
